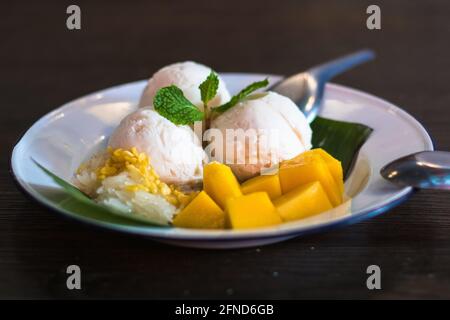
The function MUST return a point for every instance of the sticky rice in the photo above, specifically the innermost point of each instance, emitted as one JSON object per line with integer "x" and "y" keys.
{"x": 126, "y": 181}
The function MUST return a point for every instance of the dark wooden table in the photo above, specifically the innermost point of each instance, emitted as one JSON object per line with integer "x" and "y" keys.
{"x": 43, "y": 65}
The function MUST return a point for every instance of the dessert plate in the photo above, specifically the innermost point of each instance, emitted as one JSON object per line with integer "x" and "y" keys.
{"x": 67, "y": 136}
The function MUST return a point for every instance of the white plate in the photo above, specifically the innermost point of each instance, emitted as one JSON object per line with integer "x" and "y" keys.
{"x": 65, "y": 137}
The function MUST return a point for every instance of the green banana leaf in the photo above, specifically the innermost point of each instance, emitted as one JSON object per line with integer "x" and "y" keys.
{"x": 77, "y": 200}
{"x": 340, "y": 139}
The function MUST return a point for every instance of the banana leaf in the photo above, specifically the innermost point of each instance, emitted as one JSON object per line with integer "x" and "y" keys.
{"x": 340, "y": 139}
{"x": 79, "y": 202}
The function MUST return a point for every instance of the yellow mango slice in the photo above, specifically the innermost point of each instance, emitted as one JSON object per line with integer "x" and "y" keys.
{"x": 305, "y": 168}
{"x": 201, "y": 213}
{"x": 220, "y": 183}
{"x": 268, "y": 183}
{"x": 303, "y": 201}
{"x": 334, "y": 166}
{"x": 251, "y": 211}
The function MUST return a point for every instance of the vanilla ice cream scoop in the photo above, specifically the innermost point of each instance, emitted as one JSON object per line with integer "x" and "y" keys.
{"x": 187, "y": 76}
{"x": 175, "y": 152}
{"x": 258, "y": 133}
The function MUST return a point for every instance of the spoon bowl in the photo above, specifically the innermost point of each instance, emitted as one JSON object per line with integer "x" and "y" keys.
{"x": 424, "y": 170}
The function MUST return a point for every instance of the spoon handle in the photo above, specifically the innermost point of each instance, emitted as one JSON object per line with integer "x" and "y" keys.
{"x": 326, "y": 71}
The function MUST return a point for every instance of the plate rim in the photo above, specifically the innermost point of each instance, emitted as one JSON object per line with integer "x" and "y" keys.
{"x": 223, "y": 235}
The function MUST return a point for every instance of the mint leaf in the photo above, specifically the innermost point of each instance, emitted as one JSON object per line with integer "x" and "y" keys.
{"x": 208, "y": 88}
{"x": 173, "y": 105}
{"x": 242, "y": 95}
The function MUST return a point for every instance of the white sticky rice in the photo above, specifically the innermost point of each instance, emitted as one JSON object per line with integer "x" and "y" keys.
{"x": 112, "y": 192}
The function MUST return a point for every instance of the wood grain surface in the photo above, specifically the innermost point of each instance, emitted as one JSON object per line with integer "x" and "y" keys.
{"x": 44, "y": 65}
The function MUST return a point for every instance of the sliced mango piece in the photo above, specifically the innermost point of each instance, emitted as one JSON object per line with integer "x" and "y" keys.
{"x": 201, "y": 213}
{"x": 334, "y": 165}
{"x": 220, "y": 183}
{"x": 269, "y": 183}
{"x": 305, "y": 168}
{"x": 251, "y": 211}
{"x": 303, "y": 201}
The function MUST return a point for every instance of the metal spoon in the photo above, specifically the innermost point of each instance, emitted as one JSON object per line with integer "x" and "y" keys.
{"x": 306, "y": 89}
{"x": 425, "y": 170}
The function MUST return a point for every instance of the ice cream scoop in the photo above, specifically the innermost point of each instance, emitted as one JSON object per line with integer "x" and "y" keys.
{"x": 175, "y": 152}
{"x": 258, "y": 133}
{"x": 187, "y": 76}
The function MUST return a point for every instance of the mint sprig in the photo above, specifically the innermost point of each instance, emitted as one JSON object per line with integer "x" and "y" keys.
{"x": 208, "y": 88}
{"x": 171, "y": 103}
{"x": 244, "y": 93}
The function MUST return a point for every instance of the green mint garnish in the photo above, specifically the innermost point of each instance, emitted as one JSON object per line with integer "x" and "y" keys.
{"x": 173, "y": 105}
{"x": 244, "y": 93}
{"x": 208, "y": 88}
